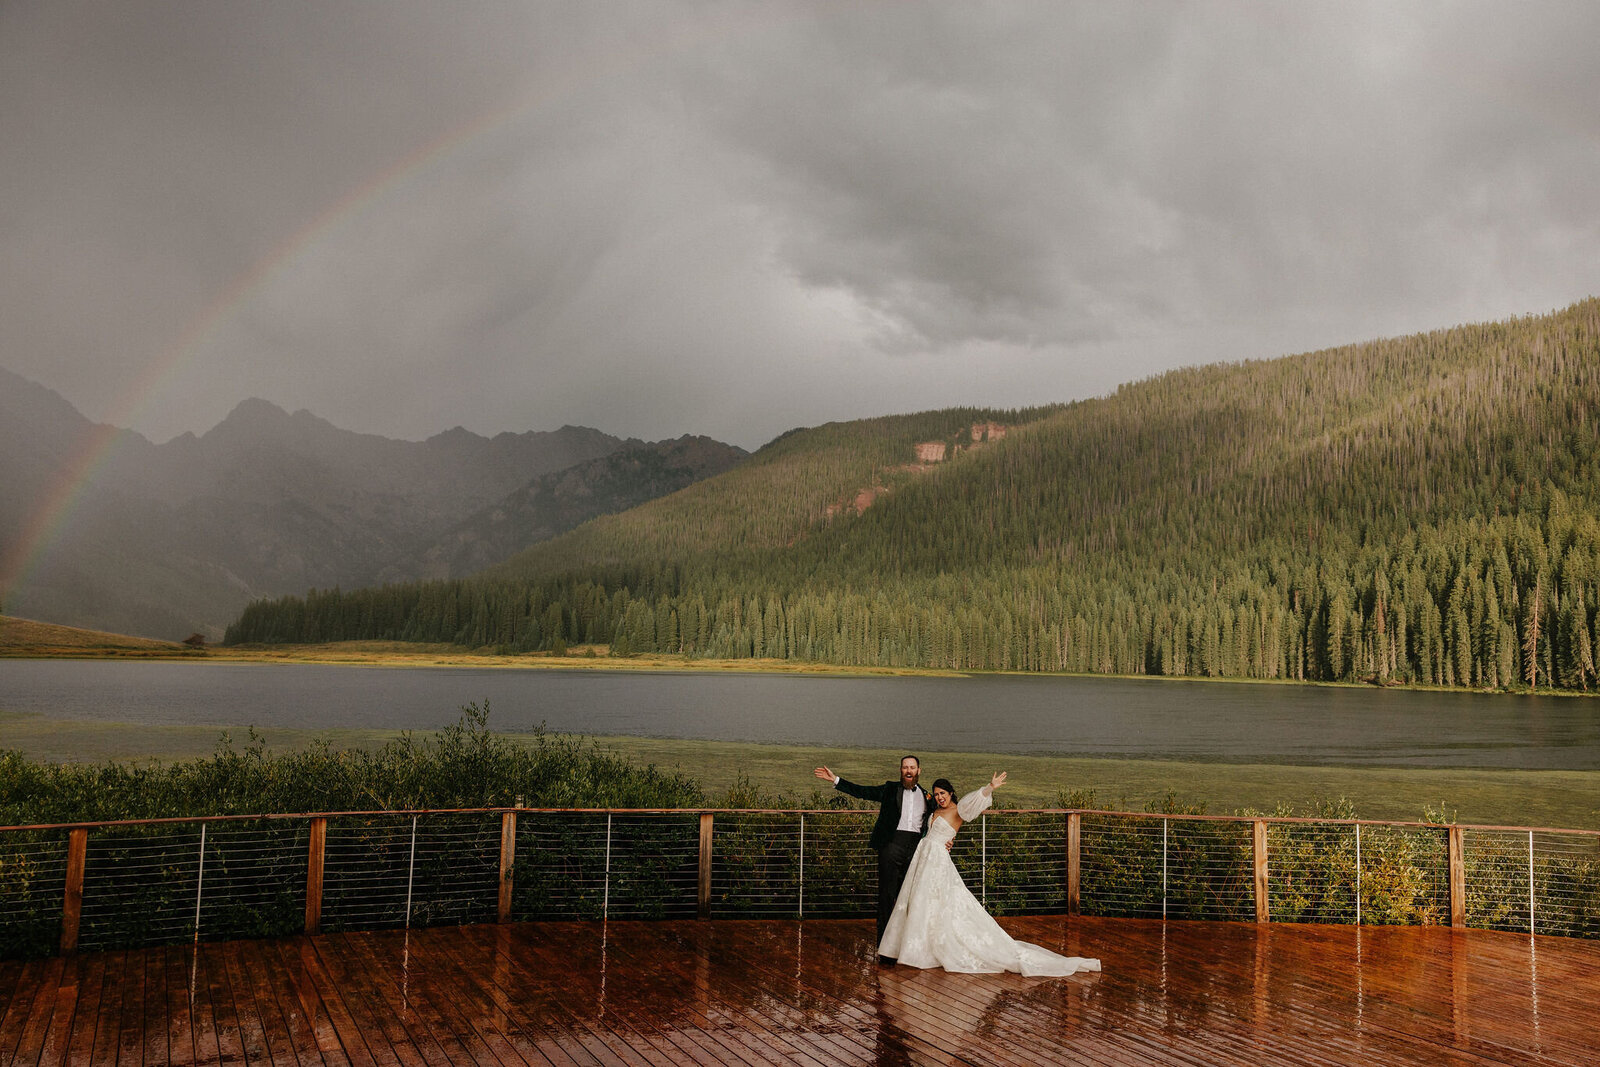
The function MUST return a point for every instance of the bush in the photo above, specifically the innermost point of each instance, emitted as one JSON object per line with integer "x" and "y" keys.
{"x": 465, "y": 765}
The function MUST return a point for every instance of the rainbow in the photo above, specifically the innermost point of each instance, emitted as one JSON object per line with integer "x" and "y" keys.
{"x": 42, "y": 529}
{"x": 50, "y": 518}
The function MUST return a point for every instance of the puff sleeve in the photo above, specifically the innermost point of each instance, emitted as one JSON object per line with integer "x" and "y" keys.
{"x": 974, "y": 804}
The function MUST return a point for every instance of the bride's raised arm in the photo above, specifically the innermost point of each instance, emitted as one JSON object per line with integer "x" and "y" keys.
{"x": 976, "y": 802}
{"x": 973, "y": 804}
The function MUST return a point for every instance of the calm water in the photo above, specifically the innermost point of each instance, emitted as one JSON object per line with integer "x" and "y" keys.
{"x": 1039, "y": 715}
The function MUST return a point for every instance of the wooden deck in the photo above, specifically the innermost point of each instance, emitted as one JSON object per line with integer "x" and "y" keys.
{"x": 750, "y": 994}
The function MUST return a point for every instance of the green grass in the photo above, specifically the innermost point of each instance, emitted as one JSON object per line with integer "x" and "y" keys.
{"x": 73, "y": 741}
{"x": 1560, "y": 799}
{"x": 778, "y": 773}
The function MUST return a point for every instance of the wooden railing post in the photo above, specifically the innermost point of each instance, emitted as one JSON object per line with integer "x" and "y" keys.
{"x": 314, "y": 854}
{"x": 704, "y": 910}
{"x": 1458, "y": 880}
{"x": 1259, "y": 851}
{"x": 1074, "y": 860}
{"x": 508, "y": 858}
{"x": 72, "y": 895}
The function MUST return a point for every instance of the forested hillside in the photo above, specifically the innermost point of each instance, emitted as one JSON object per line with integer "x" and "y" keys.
{"x": 554, "y": 503}
{"x": 1421, "y": 509}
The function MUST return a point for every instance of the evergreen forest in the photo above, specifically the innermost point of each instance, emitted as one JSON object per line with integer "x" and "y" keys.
{"x": 1422, "y": 510}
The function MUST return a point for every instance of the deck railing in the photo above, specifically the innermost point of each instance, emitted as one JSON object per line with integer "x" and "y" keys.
{"x": 65, "y": 888}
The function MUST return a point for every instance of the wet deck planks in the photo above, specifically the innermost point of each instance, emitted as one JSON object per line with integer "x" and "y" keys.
{"x": 766, "y": 993}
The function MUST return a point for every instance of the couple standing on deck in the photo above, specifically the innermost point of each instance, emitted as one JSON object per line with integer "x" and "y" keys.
{"x": 927, "y": 917}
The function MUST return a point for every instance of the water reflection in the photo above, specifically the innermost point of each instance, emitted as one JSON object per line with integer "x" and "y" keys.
{"x": 719, "y": 992}
{"x": 1533, "y": 987}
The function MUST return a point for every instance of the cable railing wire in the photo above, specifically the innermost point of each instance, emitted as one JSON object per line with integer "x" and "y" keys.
{"x": 599, "y": 865}
{"x": 1531, "y": 881}
{"x": 454, "y": 870}
{"x": 560, "y": 870}
{"x": 1209, "y": 865}
{"x": 1122, "y": 866}
{"x": 654, "y": 870}
{"x": 33, "y": 868}
{"x": 755, "y": 865}
{"x": 254, "y": 882}
{"x": 366, "y": 865}
{"x": 1024, "y": 862}
{"x": 171, "y": 881}
{"x": 139, "y": 887}
{"x": 1404, "y": 876}
{"x": 840, "y": 870}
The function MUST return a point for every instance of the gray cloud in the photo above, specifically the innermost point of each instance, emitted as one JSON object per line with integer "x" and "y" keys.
{"x": 734, "y": 218}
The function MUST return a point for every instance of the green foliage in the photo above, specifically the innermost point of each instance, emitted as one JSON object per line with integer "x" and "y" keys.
{"x": 756, "y": 864}
{"x": 140, "y": 882}
{"x": 463, "y": 766}
{"x": 1175, "y": 868}
{"x": 1565, "y": 876}
{"x": 1404, "y": 877}
{"x": 1420, "y": 510}
{"x": 1312, "y": 867}
{"x": 33, "y": 868}
{"x": 585, "y": 866}
{"x": 1026, "y": 863}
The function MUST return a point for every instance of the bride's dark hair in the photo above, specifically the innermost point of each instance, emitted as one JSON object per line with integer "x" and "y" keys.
{"x": 944, "y": 783}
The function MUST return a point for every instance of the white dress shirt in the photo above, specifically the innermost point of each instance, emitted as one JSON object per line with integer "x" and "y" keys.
{"x": 913, "y": 806}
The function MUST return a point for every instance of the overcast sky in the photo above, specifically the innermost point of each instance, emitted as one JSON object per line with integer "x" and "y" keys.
{"x": 736, "y": 218}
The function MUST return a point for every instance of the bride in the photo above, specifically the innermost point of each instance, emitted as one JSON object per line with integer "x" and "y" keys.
{"x": 937, "y": 922}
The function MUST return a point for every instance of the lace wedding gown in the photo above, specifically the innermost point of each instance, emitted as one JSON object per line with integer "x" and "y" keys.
{"x": 937, "y": 922}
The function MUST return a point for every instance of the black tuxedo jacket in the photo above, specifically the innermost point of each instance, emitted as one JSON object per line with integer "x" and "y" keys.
{"x": 888, "y": 797}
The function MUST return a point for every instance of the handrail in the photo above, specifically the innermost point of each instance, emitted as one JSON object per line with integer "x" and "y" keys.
{"x": 1288, "y": 820}
{"x": 720, "y": 860}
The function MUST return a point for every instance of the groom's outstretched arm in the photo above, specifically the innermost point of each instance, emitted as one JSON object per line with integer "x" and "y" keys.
{"x": 860, "y": 792}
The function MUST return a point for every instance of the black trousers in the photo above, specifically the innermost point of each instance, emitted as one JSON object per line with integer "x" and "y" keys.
{"x": 893, "y": 859}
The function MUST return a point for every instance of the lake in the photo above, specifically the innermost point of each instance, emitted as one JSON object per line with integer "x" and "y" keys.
{"x": 1108, "y": 717}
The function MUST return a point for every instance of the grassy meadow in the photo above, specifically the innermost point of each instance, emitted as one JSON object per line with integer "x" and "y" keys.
{"x": 29, "y": 638}
{"x": 1558, "y": 799}
{"x": 742, "y": 774}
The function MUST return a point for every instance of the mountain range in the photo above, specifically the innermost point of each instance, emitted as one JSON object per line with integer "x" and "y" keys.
{"x": 1420, "y": 509}
{"x": 167, "y": 539}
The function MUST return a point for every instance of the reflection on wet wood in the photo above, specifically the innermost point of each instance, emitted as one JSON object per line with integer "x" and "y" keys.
{"x": 748, "y": 994}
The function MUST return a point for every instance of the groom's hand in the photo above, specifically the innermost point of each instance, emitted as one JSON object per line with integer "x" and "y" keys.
{"x": 825, "y": 774}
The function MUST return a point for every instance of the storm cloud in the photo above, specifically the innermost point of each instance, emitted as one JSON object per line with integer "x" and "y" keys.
{"x": 735, "y": 218}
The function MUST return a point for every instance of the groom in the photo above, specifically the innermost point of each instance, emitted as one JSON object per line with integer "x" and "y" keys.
{"x": 902, "y": 819}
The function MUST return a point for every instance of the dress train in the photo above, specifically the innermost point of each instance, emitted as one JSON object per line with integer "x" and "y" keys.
{"x": 937, "y": 922}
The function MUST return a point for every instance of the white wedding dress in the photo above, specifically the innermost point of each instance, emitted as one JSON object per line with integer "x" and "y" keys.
{"x": 937, "y": 922}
